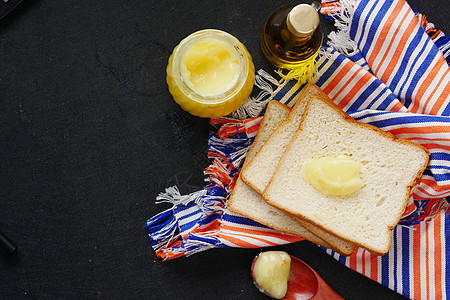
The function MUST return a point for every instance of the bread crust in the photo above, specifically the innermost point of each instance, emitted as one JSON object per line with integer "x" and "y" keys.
{"x": 258, "y": 137}
{"x": 388, "y": 135}
{"x": 316, "y": 230}
{"x": 280, "y": 128}
{"x": 244, "y": 178}
{"x": 252, "y": 149}
{"x": 310, "y": 237}
{"x": 296, "y": 113}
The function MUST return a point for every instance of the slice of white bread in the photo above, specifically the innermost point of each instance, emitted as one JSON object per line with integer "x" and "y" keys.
{"x": 258, "y": 172}
{"x": 337, "y": 244}
{"x": 247, "y": 202}
{"x": 390, "y": 170}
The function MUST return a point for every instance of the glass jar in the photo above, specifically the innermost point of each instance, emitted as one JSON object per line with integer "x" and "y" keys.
{"x": 210, "y": 73}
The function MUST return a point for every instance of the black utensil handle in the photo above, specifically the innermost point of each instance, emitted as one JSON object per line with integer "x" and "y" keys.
{"x": 6, "y": 246}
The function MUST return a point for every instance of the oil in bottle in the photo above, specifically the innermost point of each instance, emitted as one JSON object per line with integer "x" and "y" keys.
{"x": 291, "y": 39}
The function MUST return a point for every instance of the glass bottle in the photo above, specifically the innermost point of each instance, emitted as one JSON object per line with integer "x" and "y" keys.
{"x": 291, "y": 39}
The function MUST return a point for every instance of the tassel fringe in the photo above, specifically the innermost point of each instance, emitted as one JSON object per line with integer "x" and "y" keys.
{"x": 341, "y": 12}
{"x": 172, "y": 195}
{"x": 302, "y": 73}
{"x": 162, "y": 228}
{"x": 170, "y": 234}
{"x": 254, "y": 106}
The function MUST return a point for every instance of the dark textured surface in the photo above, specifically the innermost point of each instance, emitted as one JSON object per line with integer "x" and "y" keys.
{"x": 90, "y": 136}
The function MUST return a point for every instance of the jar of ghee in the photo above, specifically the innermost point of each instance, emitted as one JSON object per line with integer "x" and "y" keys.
{"x": 210, "y": 73}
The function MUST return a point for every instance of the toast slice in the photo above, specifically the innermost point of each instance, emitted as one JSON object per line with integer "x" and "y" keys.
{"x": 337, "y": 244}
{"x": 258, "y": 172}
{"x": 247, "y": 202}
{"x": 390, "y": 170}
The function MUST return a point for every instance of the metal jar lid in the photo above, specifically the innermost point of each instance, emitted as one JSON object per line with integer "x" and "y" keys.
{"x": 302, "y": 20}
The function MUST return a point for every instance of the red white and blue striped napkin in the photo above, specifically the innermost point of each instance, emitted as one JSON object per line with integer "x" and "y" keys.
{"x": 387, "y": 67}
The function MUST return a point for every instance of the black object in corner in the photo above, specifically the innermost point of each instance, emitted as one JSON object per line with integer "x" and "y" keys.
{"x": 7, "y": 5}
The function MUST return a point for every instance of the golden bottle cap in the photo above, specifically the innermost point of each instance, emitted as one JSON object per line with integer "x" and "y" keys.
{"x": 303, "y": 20}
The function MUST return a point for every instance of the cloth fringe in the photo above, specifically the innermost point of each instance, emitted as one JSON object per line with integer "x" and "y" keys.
{"x": 268, "y": 86}
{"x": 301, "y": 73}
{"x": 341, "y": 12}
{"x": 254, "y": 106}
{"x": 323, "y": 55}
{"x": 228, "y": 146}
{"x": 162, "y": 228}
{"x": 172, "y": 195}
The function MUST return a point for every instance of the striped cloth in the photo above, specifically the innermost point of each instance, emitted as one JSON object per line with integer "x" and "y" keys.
{"x": 387, "y": 66}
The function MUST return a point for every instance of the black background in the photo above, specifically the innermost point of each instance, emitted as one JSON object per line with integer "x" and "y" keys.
{"x": 90, "y": 135}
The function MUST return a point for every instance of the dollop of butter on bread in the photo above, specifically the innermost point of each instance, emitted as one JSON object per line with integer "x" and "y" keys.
{"x": 333, "y": 175}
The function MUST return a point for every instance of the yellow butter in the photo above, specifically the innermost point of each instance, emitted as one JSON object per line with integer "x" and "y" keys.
{"x": 333, "y": 175}
{"x": 211, "y": 67}
{"x": 271, "y": 273}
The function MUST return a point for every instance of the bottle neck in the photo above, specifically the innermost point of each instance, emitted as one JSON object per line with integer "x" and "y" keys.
{"x": 302, "y": 20}
{"x": 290, "y": 37}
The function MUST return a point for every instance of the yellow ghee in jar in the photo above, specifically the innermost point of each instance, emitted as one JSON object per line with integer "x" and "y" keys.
{"x": 333, "y": 175}
{"x": 210, "y": 73}
{"x": 211, "y": 67}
